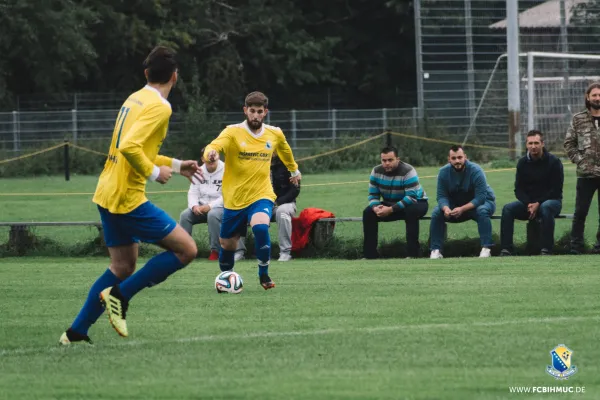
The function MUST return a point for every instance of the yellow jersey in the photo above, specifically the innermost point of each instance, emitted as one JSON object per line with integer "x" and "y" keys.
{"x": 137, "y": 137}
{"x": 247, "y": 176}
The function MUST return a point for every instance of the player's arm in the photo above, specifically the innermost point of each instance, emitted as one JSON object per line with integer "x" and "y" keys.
{"x": 284, "y": 151}
{"x": 132, "y": 145}
{"x": 218, "y": 145}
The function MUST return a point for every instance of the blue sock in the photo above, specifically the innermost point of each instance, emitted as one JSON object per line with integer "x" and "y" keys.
{"x": 156, "y": 270}
{"x": 263, "y": 247}
{"x": 92, "y": 308}
{"x": 226, "y": 260}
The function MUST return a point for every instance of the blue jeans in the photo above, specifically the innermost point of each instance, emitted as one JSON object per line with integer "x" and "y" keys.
{"x": 547, "y": 211}
{"x": 481, "y": 214}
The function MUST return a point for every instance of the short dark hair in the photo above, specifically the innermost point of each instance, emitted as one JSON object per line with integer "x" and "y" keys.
{"x": 202, "y": 150}
{"x": 456, "y": 147}
{"x": 535, "y": 132}
{"x": 256, "y": 99}
{"x": 591, "y": 86}
{"x": 390, "y": 149}
{"x": 160, "y": 64}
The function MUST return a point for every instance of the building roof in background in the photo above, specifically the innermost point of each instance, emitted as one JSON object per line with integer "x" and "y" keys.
{"x": 545, "y": 15}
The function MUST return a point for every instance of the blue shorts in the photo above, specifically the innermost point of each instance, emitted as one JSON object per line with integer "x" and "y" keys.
{"x": 235, "y": 222}
{"x": 147, "y": 223}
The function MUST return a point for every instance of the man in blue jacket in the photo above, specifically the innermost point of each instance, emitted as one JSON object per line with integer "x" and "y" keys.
{"x": 462, "y": 194}
{"x": 538, "y": 187}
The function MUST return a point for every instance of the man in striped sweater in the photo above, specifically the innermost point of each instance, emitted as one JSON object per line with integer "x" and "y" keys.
{"x": 394, "y": 194}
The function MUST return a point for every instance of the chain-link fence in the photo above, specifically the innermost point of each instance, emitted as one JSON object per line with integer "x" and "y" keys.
{"x": 462, "y": 64}
{"x": 305, "y": 129}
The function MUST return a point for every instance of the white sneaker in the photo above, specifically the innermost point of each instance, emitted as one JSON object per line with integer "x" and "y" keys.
{"x": 435, "y": 254}
{"x": 285, "y": 257}
{"x": 485, "y": 252}
{"x": 238, "y": 256}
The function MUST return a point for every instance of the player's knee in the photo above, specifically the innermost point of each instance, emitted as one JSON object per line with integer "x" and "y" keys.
{"x": 123, "y": 269}
{"x": 228, "y": 244}
{"x": 188, "y": 253}
{"x": 261, "y": 231}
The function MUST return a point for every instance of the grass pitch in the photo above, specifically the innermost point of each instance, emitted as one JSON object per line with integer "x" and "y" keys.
{"x": 390, "y": 329}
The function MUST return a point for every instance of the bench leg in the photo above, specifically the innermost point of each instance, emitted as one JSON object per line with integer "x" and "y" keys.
{"x": 534, "y": 231}
{"x": 19, "y": 239}
{"x": 322, "y": 233}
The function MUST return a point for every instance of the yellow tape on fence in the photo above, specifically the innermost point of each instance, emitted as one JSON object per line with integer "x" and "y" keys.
{"x": 481, "y": 146}
{"x": 35, "y": 153}
{"x": 86, "y": 149}
{"x": 341, "y": 148}
{"x": 38, "y": 194}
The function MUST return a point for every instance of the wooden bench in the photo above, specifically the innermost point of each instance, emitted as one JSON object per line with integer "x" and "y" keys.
{"x": 19, "y": 234}
{"x": 323, "y": 231}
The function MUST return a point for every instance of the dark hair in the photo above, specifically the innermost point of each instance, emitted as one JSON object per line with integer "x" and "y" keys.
{"x": 535, "y": 132}
{"x": 256, "y": 99}
{"x": 160, "y": 64}
{"x": 388, "y": 149}
{"x": 591, "y": 86}
{"x": 202, "y": 150}
{"x": 456, "y": 148}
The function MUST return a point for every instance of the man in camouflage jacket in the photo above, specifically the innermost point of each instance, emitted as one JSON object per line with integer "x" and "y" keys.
{"x": 582, "y": 145}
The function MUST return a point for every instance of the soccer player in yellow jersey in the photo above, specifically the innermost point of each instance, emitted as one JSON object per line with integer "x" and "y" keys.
{"x": 247, "y": 191}
{"x": 127, "y": 215}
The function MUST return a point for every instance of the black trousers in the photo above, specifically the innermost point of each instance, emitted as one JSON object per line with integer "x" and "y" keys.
{"x": 410, "y": 214}
{"x": 586, "y": 187}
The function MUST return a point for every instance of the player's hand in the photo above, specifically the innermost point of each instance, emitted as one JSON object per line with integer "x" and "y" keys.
{"x": 196, "y": 210}
{"x": 295, "y": 180}
{"x": 213, "y": 156}
{"x": 197, "y": 177}
{"x": 189, "y": 169}
{"x": 165, "y": 174}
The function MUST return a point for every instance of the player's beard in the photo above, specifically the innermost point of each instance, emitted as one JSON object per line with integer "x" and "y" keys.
{"x": 256, "y": 125}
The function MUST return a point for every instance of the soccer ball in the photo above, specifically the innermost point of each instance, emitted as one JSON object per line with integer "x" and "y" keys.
{"x": 229, "y": 282}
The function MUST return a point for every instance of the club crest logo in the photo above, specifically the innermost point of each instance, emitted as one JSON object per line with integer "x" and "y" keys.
{"x": 269, "y": 145}
{"x": 561, "y": 367}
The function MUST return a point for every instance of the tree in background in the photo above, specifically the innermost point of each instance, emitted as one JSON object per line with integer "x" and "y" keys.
{"x": 353, "y": 53}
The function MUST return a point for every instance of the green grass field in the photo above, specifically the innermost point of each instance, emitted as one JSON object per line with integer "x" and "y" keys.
{"x": 457, "y": 328}
{"x": 391, "y": 329}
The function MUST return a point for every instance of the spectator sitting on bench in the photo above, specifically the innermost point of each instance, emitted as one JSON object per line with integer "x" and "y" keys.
{"x": 205, "y": 204}
{"x": 403, "y": 197}
{"x": 538, "y": 188}
{"x": 462, "y": 194}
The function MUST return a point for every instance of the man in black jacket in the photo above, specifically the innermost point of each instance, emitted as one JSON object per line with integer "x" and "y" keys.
{"x": 285, "y": 205}
{"x": 538, "y": 188}
{"x": 284, "y": 210}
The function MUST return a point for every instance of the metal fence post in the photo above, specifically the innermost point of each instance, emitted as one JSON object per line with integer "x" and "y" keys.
{"x": 333, "y": 124}
{"x": 384, "y": 118}
{"x": 293, "y": 123}
{"x": 16, "y": 133}
{"x": 66, "y": 160}
{"x": 415, "y": 120}
{"x": 74, "y": 125}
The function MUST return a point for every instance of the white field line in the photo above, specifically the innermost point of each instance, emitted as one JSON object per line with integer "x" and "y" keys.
{"x": 317, "y": 332}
